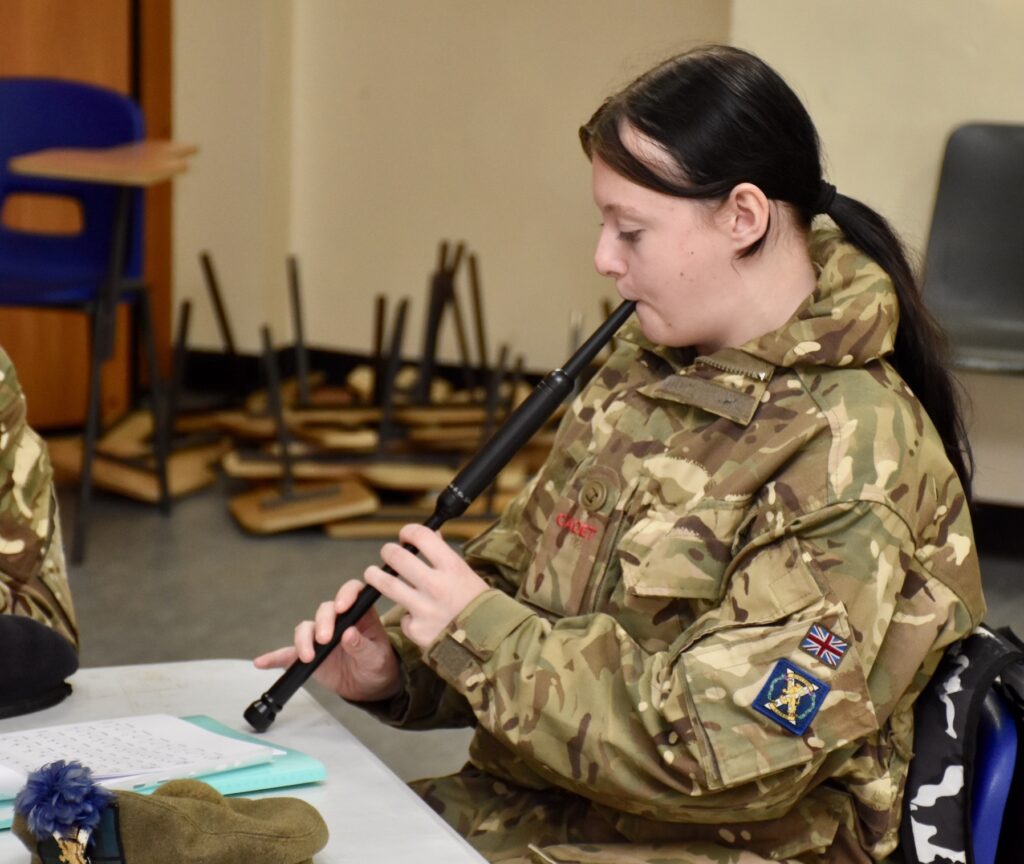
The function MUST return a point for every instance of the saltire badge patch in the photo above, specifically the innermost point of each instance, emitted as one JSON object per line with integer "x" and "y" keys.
{"x": 791, "y": 697}
{"x": 824, "y": 645}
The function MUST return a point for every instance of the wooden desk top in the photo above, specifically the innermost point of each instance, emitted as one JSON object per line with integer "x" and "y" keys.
{"x": 141, "y": 163}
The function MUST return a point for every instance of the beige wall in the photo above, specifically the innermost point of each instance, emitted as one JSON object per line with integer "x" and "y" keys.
{"x": 359, "y": 133}
{"x": 885, "y": 82}
{"x": 232, "y": 97}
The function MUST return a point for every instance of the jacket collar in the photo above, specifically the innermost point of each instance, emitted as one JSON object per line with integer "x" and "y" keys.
{"x": 849, "y": 320}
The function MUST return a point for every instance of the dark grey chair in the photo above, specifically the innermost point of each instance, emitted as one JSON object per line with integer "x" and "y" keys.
{"x": 974, "y": 269}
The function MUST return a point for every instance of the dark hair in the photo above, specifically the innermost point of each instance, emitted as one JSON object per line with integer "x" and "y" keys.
{"x": 723, "y": 117}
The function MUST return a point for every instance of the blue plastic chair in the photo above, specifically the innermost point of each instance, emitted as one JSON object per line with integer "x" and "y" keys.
{"x": 962, "y": 779}
{"x": 91, "y": 271}
{"x": 995, "y": 759}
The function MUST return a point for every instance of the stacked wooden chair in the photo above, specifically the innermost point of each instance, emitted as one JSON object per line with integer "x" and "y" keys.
{"x": 363, "y": 459}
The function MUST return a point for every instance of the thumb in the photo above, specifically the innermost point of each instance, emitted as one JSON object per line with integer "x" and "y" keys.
{"x": 352, "y": 640}
{"x": 367, "y": 640}
{"x": 361, "y": 638}
{"x": 370, "y": 626}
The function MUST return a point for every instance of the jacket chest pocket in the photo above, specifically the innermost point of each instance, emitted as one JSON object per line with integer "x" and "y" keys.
{"x": 673, "y": 567}
{"x": 576, "y": 543}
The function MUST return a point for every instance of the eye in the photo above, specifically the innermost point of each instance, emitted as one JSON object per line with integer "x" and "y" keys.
{"x": 630, "y": 237}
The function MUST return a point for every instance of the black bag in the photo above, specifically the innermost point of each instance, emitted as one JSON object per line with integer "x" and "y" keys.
{"x": 937, "y": 820}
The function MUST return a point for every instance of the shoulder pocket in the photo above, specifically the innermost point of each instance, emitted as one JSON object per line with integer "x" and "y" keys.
{"x": 810, "y": 707}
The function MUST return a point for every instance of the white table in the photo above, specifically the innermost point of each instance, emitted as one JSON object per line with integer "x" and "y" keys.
{"x": 371, "y": 814}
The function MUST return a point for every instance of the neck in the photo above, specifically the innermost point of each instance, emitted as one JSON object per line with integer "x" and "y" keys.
{"x": 770, "y": 286}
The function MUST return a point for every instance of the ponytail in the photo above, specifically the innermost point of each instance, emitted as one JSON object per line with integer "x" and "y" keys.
{"x": 921, "y": 352}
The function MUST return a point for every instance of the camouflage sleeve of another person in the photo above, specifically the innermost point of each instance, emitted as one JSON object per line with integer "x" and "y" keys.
{"x": 33, "y": 579}
{"x": 732, "y": 720}
{"x": 427, "y": 700}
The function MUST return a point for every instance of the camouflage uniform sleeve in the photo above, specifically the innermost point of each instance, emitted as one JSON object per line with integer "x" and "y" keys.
{"x": 427, "y": 701}
{"x": 33, "y": 579}
{"x": 733, "y": 720}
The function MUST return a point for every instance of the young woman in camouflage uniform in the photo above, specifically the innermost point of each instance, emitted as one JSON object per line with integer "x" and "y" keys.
{"x": 697, "y": 635}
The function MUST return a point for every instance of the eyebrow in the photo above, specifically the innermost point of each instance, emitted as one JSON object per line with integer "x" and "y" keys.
{"x": 621, "y": 210}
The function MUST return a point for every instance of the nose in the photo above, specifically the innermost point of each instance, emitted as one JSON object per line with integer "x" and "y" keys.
{"x": 607, "y": 260}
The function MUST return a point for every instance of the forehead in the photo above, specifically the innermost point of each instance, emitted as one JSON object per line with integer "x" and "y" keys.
{"x": 617, "y": 196}
{"x": 615, "y": 193}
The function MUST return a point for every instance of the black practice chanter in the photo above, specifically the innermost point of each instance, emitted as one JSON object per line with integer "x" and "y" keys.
{"x": 473, "y": 479}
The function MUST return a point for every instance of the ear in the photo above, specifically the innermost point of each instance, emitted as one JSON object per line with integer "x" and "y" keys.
{"x": 746, "y": 214}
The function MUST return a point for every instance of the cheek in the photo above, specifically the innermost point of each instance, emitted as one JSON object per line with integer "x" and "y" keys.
{"x": 696, "y": 247}
{"x": 690, "y": 262}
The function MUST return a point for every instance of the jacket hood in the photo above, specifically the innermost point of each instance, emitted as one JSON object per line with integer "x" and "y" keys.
{"x": 849, "y": 320}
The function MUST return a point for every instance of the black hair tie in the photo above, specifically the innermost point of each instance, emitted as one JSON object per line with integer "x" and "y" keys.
{"x": 826, "y": 197}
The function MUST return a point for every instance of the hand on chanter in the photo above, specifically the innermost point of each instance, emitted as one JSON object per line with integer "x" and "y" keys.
{"x": 432, "y": 589}
{"x": 363, "y": 668}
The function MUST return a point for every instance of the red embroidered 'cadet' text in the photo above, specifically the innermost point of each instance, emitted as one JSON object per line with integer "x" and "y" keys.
{"x": 580, "y": 529}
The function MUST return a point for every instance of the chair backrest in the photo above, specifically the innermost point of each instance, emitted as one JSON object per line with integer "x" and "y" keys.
{"x": 43, "y": 113}
{"x": 995, "y": 760}
{"x": 974, "y": 268}
{"x": 965, "y": 764}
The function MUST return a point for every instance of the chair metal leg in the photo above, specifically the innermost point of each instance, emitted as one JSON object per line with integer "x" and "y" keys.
{"x": 301, "y": 354}
{"x": 277, "y": 412}
{"x": 92, "y": 431}
{"x": 134, "y": 378}
{"x": 161, "y": 437}
{"x": 237, "y": 394}
{"x": 177, "y": 368}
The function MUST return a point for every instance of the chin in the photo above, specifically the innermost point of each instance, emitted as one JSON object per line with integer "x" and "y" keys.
{"x": 651, "y": 326}
{"x": 657, "y": 331}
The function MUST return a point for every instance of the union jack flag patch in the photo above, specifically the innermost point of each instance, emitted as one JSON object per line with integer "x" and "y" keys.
{"x": 823, "y": 644}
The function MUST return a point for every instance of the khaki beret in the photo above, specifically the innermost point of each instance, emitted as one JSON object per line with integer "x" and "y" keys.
{"x": 190, "y": 821}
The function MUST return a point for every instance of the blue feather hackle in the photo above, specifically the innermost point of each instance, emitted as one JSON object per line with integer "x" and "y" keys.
{"x": 61, "y": 797}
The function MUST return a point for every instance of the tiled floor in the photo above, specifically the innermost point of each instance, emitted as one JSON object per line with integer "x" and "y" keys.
{"x": 192, "y": 585}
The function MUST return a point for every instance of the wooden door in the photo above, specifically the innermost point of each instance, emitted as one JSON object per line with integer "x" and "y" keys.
{"x": 123, "y": 45}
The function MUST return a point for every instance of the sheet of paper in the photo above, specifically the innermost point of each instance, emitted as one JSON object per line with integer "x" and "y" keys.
{"x": 10, "y": 779}
{"x": 125, "y": 752}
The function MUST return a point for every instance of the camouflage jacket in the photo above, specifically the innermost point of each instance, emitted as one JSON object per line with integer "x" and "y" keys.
{"x": 715, "y": 604}
{"x": 33, "y": 580}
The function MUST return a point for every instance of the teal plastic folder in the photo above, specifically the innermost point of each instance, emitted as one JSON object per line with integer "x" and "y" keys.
{"x": 291, "y": 769}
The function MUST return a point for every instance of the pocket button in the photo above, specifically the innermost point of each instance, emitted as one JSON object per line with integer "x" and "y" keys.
{"x": 593, "y": 494}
